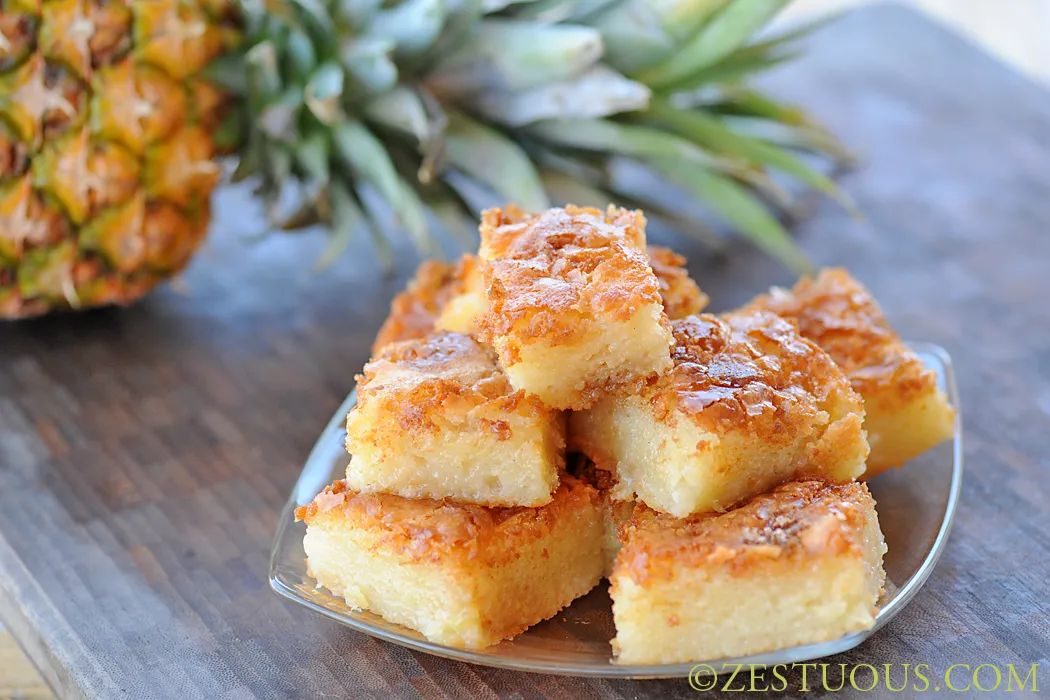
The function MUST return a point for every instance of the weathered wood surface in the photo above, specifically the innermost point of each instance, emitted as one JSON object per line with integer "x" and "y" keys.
{"x": 145, "y": 453}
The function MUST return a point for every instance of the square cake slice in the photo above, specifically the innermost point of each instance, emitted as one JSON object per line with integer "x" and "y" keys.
{"x": 574, "y": 310}
{"x": 461, "y": 575}
{"x": 905, "y": 411}
{"x": 800, "y": 565}
{"x": 437, "y": 418}
{"x": 467, "y": 304}
{"x": 748, "y": 404}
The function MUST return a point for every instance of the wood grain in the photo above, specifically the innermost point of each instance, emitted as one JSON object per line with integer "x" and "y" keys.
{"x": 145, "y": 453}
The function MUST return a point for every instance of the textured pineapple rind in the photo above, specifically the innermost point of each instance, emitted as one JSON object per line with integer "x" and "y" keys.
{"x": 492, "y": 579}
{"x": 743, "y": 600}
{"x": 115, "y": 149}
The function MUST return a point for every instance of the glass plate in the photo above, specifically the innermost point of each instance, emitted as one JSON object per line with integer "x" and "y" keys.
{"x": 915, "y": 505}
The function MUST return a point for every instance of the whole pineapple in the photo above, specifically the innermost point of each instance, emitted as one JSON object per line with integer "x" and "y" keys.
{"x": 106, "y": 152}
{"x": 440, "y": 107}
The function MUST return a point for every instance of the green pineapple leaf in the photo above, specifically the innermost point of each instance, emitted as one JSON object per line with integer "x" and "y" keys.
{"x": 488, "y": 156}
{"x": 727, "y": 31}
{"x": 710, "y": 132}
{"x": 740, "y": 208}
{"x": 437, "y": 109}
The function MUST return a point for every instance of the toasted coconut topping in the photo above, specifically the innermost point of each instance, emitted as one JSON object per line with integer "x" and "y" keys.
{"x": 431, "y": 529}
{"x": 799, "y": 519}
{"x": 840, "y": 315}
{"x": 730, "y": 371}
{"x": 548, "y": 274}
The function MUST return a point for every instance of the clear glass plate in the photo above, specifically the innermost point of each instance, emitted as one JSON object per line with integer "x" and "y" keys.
{"x": 915, "y": 505}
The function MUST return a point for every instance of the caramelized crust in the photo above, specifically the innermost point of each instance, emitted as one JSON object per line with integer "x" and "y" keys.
{"x": 906, "y": 412}
{"x": 416, "y": 380}
{"x": 451, "y": 296}
{"x": 548, "y": 274}
{"x": 840, "y": 315}
{"x": 467, "y": 303}
{"x": 437, "y": 417}
{"x": 413, "y": 312}
{"x": 797, "y": 521}
{"x": 432, "y": 530}
{"x": 745, "y": 369}
{"x": 747, "y": 404}
{"x": 514, "y": 233}
{"x": 680, "y": 294}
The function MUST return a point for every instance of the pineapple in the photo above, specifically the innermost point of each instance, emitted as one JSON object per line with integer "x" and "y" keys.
{"x": 107, "y": 160}
{"x": 110, "y": 112}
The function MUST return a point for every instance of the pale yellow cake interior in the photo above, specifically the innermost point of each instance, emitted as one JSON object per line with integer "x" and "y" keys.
{"x": 610, "y": 356}
{"x": 437, "y": 418}
{"x": 464, "y": 576}
{"x": 906, "y": 412}
{"x": 734, "y": 418}
{"x": 798, "y": 566}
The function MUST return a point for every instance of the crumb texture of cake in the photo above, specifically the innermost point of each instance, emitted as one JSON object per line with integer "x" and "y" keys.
{"x": 436, "y": 417}
{"x": 680, "y": 294}
{"x": 412, "y": 312}
{"x": 748, "y": 404}
{"x": 461, "y": 575}
{"x": 573, "y": 307}
{"x": 799, "y": 565}
{"x": 467, "y": 302}
{"x": 906, "y": 412}
{"x": 416, "y": 311}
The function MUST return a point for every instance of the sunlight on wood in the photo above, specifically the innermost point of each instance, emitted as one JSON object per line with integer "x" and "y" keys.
{"x": 18, "y": 678}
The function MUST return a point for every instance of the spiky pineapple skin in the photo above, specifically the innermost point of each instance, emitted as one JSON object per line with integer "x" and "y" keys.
{"x": 106, "y": 146}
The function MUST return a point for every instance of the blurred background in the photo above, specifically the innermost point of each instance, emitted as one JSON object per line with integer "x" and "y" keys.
{"x": 1017, "y": 31}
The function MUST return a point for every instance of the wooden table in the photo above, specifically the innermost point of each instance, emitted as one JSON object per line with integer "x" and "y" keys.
{"x": 145, "y": 453}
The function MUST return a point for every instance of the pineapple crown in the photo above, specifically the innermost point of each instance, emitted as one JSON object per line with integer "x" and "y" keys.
{"x": 445, "y": 107}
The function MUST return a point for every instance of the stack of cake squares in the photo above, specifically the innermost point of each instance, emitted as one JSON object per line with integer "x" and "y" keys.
{"x": 557, "y": 409}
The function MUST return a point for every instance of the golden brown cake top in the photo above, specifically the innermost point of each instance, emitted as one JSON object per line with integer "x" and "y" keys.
{"x": 546, "y": 273}
{"x": 513, "y": 233}
{"x": 429, "y": 529}
{"x": 415, "y": 380}
{"x": 738, "y": 369}
{"x": 413, "y": 311}
{"x": 838, "y": 313}
{"x": 680, "y": 294}
{"x": 797, "y": 521}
